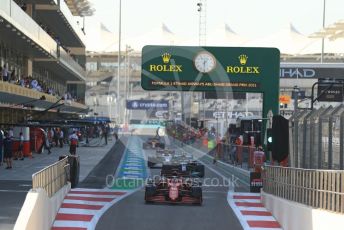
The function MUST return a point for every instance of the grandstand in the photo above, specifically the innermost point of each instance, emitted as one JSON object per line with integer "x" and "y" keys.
{"x": 42, "y": 59}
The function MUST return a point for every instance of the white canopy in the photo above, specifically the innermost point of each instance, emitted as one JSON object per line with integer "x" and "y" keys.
{"x": 222, "y": 35}
{"x": 330, "y": 47}
{"x": 99, "y": 38}
{"x": 225, "y": 36}
{"x": 288, "y": 40}
{"x": 157, "y": 36}
{"x": 102, "y": 40}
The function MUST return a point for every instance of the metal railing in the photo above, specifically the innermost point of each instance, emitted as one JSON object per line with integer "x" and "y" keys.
{"x": 71, "y": 20}
{"x": 317, "y": 138}
{"x": 25, "y": 92}
{"x": 52, "y": 178}
{"x": 68, "y": 61}
{"x": 322, "y": 189}
{"x": 22, "y": 22}
{"x": 14, "y": 89}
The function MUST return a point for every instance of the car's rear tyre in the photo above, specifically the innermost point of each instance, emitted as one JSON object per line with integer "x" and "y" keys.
{"x": 150, "y": 164}
{"x": 150, "y": 190}
{"x": 147, "y": 201}
{"x": 196, "y": 192}
{"x": 200, "y": 170}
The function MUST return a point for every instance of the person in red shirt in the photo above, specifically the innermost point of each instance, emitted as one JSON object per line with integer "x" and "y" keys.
{"x": 73, "y": 139}
{"x": 258, "y": 159}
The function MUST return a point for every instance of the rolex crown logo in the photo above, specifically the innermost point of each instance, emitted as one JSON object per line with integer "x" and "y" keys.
{"x": 166, "y": 57}
{"x": 243, "y": 59}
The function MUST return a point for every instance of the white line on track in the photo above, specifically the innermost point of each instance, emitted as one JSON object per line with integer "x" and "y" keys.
{"x": 68, "y": 201}
{"x": 16, "y": 191}
{"x": 93, "y": 195}
{"x": 248, "y": 200}
{"x": 75, "y": 224}
{"x": 243, "y": 208}
{"x": 259, "y": 218}
{"x": 77, "y": 211}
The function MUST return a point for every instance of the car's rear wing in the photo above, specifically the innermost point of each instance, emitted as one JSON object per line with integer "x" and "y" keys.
{"x": 175, "y": 170}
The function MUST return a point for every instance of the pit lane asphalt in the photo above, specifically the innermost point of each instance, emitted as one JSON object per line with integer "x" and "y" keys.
{"x": 12, "y": 197}
{"x": 132, "y": 213}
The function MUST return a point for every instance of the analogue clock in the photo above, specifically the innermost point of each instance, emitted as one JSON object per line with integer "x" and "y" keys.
{"x": 205, "y": 62}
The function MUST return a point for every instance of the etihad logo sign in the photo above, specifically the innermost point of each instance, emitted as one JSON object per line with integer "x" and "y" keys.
{"x": 243, "y": 69}
{"x": 166, "y": 66}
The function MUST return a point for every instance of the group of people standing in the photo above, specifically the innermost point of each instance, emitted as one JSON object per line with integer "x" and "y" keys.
{"x": 56, "y": 136}
{"x": 11, "y": 148}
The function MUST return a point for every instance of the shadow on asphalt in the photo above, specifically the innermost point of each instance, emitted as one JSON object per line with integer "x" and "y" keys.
{"x": 107, "y": 166}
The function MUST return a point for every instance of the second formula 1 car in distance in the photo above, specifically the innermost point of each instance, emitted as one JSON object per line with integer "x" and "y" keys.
{"x": 160, "y": 157}
{"x": 189, "y": 169}
{"x": 153, "y": 143}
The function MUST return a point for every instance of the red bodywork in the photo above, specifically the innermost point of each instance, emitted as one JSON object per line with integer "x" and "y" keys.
{"x": 173, "y": 190}
{"x": 174, "y": 186}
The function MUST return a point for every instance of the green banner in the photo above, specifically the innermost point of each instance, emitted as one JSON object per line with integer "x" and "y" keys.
{"x": 181, "y": 68}
{"x": 230, "y": 69}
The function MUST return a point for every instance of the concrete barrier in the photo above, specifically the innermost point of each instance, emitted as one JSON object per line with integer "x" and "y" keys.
{"x": 39, "y": 211}
{"x": 293, "y": 216}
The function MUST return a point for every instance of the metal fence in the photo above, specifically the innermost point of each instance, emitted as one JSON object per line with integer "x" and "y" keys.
{"x": 322, "y": 189}
{"x": 52, "y": 178}
{"x": 317, "y": 138}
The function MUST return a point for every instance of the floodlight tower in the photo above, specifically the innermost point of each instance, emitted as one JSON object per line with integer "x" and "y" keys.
{"x": 202, "y": 41}
{"x": 119, "y": 61}
{"x": 202, "y": 29}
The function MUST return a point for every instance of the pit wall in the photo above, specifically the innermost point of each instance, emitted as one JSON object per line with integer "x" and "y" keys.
{"x": 39, "y": 211}
{"x": 294, "y": 216}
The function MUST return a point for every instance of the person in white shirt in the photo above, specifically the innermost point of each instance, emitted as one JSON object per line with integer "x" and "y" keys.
{"x": 19, "y": 154}
{"x": 47, "y": 142}
{"x": 10, "y": 132}
{"x": 61, "y": 137}
{"x": 5, "y": 73}
{"x": 51, "y": 136}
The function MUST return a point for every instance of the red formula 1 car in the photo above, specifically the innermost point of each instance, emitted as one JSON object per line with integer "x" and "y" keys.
{"x": 174, "y": 190}
{"x": 153, "y": 143}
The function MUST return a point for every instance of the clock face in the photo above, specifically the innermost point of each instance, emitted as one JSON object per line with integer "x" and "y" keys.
{"x": 205, "y": 62}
